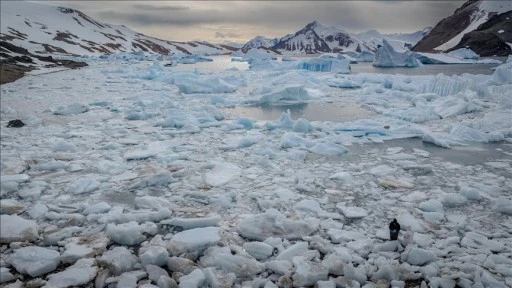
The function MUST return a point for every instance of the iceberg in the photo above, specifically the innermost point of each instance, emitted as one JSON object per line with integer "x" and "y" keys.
{"x": 325, "y": 65}
{"x": 503, "y": 74}
{"x": 294, "y": 93}
{"x": 464, "y": 53}
{"x": 365, "y": 56}
{"x": 387, "y": 57}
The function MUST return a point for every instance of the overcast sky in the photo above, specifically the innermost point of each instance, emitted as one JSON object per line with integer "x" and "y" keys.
{"x": 221, "y": 21}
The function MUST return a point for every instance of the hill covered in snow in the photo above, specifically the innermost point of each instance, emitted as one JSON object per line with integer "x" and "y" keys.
{"x": 45, "y": 29}
{"x": 316, "y": 38}
{"x": 481, "y": 25}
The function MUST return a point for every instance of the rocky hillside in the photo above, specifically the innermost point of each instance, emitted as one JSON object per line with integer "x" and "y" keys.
{"x": 316, "y": 38}
{"x": 483, "y": 26}
{"x": 45, "y": 29}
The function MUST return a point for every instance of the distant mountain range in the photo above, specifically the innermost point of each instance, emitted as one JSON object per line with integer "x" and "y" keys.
{"x": 45, "y": 29}
{"x": 316, "y": 38}
{"x": 483, "y": 26}
{"x": 29, "y": 29}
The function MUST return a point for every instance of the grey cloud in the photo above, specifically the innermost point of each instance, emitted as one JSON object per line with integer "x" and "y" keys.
{"x": 248, "y": 19}
{"x": 147, "y": 7}
{"x": 226, "y": 35}
{"x": 159, "y": 17}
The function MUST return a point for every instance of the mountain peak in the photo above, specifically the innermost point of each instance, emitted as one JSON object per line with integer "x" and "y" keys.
{"x": 315, "y": 24}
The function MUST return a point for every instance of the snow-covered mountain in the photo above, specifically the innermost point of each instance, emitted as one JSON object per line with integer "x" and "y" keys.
{"x": 259, "y": 41}
{"x": 481, "y": 25}
{"x": 45, "y": 29}
{"x": 317, "y": 38}
{"x": 375, "y": 38}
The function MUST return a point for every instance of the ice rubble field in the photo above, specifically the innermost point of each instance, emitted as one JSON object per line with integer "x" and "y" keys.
{"x": 130, "y": 174}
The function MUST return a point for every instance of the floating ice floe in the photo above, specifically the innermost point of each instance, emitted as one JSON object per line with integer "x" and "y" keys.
{"x": 227, "y": 200}
{"x": 17, "y": 229}
{"x": 34, "y": 261}
{"x": 274, "y": 224}
{"x": 71, "y": 109}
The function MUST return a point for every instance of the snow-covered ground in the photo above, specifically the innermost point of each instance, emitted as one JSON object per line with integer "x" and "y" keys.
{"x": 133, "y": 173}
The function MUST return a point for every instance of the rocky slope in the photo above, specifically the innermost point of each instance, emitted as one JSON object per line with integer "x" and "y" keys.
{"x": 316, "y": 38}
{"x": 475, "y": 25}
{"x": 44, "y": 29}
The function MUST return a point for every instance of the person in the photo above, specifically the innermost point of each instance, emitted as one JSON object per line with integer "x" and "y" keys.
{"x": 394, "y": 228}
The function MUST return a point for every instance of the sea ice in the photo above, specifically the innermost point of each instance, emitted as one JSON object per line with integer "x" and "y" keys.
{"x": 221, "y": 174}
{"x": 418, "y": 256}
{"x": 222, "y": 259}
{"x": 17, "y": 229}
{"x": 258, "y": 250}
{"x": 126, "y": 234}
{"x": 11, "y": 206}
{"x": 86, "y": 184}
{"x": 352, "y": 212}
{"x": 308, "y": 273}
{"x": 296, "y": 249}
{"x": 198, "y": 239}
{"x": 6, "y": 275}
{"x": 155, "y": 272}
{"x": 191, "y": 223}
{"x": 286, "y": 94}
{"x": 75, "y": 252}
{"x": 34, "y": 260}
{"x": 154, "y": 255}
{"x": 118, "y": 260}
{"x": 274, "y": 224}
{"x": 182, "y": 265}
{"x": 81, "y": 273}
{"x": 72, "y": 109}
{"x": 328, "y": 149}
{"x": 193, "y": 280}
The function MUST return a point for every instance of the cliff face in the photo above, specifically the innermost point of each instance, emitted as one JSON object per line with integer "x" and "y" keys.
{"x": 490, "y": 38}
{"x": 478, "y": 25}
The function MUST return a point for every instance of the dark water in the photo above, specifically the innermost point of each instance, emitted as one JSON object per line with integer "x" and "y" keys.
{"x": 223, "y": 62}
{"x": 472, "y": 154}
{"x": 432, "y": 69}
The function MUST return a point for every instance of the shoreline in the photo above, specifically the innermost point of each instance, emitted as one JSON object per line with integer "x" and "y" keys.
{"x": 10, "y": 73}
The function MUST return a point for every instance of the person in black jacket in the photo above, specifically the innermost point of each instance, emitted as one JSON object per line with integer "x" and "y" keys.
{"x": 394, "y": 228}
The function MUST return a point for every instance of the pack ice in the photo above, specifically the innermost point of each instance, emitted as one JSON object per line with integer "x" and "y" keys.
{"x": 133, "y": 174}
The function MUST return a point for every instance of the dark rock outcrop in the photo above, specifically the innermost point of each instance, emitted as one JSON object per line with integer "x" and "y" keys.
{"x": 17, "y": 123}
{"x": 490, "y": 38}
{"x": 448, "y": 28}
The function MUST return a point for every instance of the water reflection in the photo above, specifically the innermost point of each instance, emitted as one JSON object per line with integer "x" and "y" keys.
{"x": 336, "y": 112}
